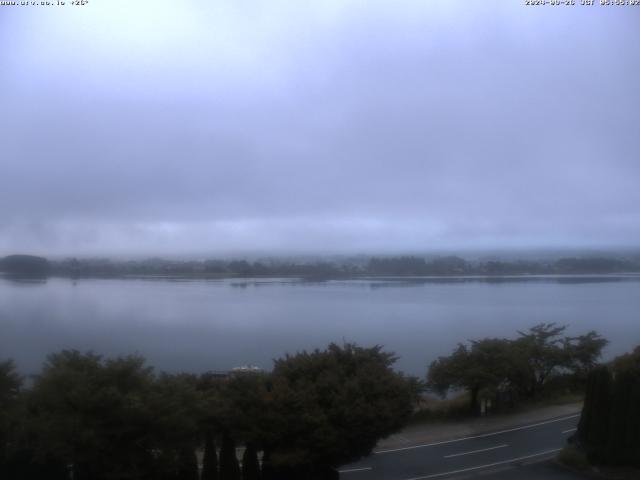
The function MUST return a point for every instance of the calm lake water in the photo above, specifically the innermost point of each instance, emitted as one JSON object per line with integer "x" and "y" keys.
{"x": 198, "y": 325}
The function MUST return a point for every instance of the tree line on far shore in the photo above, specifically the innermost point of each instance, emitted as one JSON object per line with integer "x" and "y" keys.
{"x": 86, "y": 417}
{"x": 317, "y": 268}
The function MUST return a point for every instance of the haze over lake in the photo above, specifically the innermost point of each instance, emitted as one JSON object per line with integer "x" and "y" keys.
{"x": 199, "y": 325}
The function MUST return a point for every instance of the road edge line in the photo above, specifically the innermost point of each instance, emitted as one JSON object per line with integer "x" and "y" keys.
{"x": 482, "y": 435}
{"x": 488, "y": 465}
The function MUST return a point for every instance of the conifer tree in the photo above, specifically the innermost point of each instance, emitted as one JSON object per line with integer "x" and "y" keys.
{"x": 187, "y": 464}
{"x": 250, "y": 464}
{"x": 229, "y": 467}
{"x": 609, "y": 428}
{"x": 622, "y": 446}
{"x": 210, "y": 458}
{"x": 267, "y": 468}
{"x": 593, "y": 429}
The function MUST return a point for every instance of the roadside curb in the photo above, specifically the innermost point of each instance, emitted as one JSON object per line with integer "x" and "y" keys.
{"x": 595, "y": 475}
{"x": 585, "y": 473}
{"x": 437, "y": 433}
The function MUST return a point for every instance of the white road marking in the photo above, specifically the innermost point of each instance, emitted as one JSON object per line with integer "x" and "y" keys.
{"x": 484, "y": 435}
{"x": 351, "y": 470}
{"x": 570, "y": 430}
{"x": 477, "y": 451}
{"x": 488, "y": 465}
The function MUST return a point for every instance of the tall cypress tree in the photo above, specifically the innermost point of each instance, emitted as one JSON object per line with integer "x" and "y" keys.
{"x": 593, "y": 429}
{"x": 633, "y": 423}
{"x": 187, "y": 464}
{"x": 609, "y": 429}
{"x": 210, "y": 458}
{"x": 625, "y": 431}
{"x": 229, "y": 467}
{"x": 267, "y": 469}
{"x": 620, "y": 450}
{"x": 250, "y": 463}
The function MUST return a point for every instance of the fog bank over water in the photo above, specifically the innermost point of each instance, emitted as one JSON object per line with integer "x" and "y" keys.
{"x": 161, "y": 127}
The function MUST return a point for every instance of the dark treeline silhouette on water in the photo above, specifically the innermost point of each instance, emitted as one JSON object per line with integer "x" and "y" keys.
{"x": 28, "y": 265}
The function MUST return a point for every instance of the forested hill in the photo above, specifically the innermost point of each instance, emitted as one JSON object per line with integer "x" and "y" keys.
{"x": 357, "y": 266}
{"x": 24, "y": 265}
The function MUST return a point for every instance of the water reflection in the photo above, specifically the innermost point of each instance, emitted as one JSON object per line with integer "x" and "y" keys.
{"x": 216, "y": 324}
{"x": 24, "y": 279}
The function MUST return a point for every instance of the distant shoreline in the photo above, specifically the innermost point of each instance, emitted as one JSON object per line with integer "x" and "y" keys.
{"x": 363, "y": 277}
{"x": 400, "y": 267}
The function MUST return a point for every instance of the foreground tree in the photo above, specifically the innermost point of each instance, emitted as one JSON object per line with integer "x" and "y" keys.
{"x": 330, "y": 407}
{"x": 538, "y": 352}
{"x": 483, "y": 366}
{"x": 113, "y": 418}
{"x": 94, "y": 414}
{"x": 609, "y": 428}
{"x": 542, "y": 352}
{"x": 176, "y": 406}
{"x": 583, "y": 352}
{"x": 520, "y": 367}
{"x": 10, "y": 383}
{"x": 250, "y": 463}
{"x": 209, "y": 458}
{"x": 595, "y": 419}
{"x": 229, "y": 466}
{"x": 187, "y": 464}
{"x": 91, "y": 418}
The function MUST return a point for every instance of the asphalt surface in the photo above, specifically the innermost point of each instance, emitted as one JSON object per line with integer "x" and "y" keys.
{"x": 536, "y": 471}
{"x": 492, "y": 455}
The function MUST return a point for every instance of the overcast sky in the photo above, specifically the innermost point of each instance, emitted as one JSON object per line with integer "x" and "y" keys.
{"x": 189, "y": 127}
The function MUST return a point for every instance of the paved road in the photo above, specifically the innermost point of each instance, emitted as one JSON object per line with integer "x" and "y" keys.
{"x": 535, "y": 471}
{"x": 466, "y": 456}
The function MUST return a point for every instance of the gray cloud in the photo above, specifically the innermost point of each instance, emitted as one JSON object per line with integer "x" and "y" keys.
{"x": 152, "y": 127}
